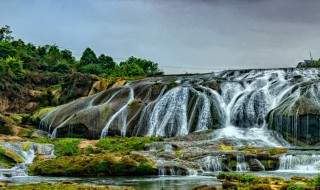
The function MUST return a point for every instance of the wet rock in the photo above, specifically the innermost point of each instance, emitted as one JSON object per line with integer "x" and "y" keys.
{"x": 229, "y": 185}
{"x": 204, "y": 187}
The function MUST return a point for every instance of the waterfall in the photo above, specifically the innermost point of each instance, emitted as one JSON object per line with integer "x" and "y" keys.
{"x": 122, "y": 114}
{"x": 241, "y": 106}
{"x": 27, "y": 153}
{"x": 168, "y": 148}
{"x": 300, "y": 163}
{"x": 210, "y": 164}
{"x": 242, "y": 165}
{"x": 262, "y": 168}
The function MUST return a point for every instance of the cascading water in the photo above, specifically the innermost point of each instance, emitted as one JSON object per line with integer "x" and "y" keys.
{"x": 242, "y": 165}
{"x": 302, "y": 163}
{"x": 25, "y": 152}
{"x": 210, "y": 164}
{"x": 241, "y": 106}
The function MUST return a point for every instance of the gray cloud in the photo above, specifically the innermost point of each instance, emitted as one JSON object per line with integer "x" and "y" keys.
{"x": 181, "y": 35}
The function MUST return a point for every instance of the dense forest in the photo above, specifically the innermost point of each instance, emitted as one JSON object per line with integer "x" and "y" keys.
{"x": 18, "y": 58}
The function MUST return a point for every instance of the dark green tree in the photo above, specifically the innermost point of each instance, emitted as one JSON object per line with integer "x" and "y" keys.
{"x": 5, "y": 34}
{"x": 92, "y": 69}
{"x": 88, "y": 57}
{"x": 106, "y": 62}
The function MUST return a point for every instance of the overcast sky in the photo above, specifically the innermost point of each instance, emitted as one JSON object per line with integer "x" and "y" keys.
{"x": 181, "y": 35}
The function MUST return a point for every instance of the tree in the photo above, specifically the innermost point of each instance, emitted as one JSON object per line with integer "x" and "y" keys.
{"x": 106, "y": 62}
{"x": 88, "y": 57}
{"x": 92, "y": 69}
{"x": 132, "y": 69}
{"x": 148, "y": 67}
{"x": 5, "y": 34}
{"x": 12, "y": 67}
{"x": 16, "y": 66}
{"x": 61, "y": 67}
{"x": 67, "y": 56}
{"x": 6, "y": 49}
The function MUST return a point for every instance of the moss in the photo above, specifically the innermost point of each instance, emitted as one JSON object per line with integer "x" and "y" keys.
{"x": 172, "y": 85}
{"x": 133, "y": 105}
{"x": 6, "y": 125}
{"x": 10, "y": 156}
{"x": 93, "y": 165}
{"x": 59, "y": 186}
{"x": 124, "y": 145}
{"x": 6, "y": 162}
{"x": 25, "y": 146}
{"x": 250, "y": 150}
{"x": 23, "y": 132}
{"x": 260, "y": 187}
{"x": 178, "y": 153}
{"x": 35, "y": 118}
{"x": 275, "y": 151}
{"x": 63, "y": 146}
{"x": 225, "y": 147}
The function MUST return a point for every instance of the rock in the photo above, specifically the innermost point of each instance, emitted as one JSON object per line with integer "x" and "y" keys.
{"x": 254, "y": 165}
{"x": 44, "y": 150}
{"x": 39, "y": 134}
{"x": 230, "y": 186}
{"x": 297, "y": 118}
{"x": 204, "y": 187}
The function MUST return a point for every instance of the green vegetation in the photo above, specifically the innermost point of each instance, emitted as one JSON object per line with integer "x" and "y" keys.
{"x": 275, "y": 151}
{"x": 50, "y": 76}
{"x": 59, "y": 186}
{"x": 124, "y": 145}
{"x": 63, "y": 146}
{"x": 92, "y": 165}
{"x": 17, "y": 58}
{"x": 252, "y": 182}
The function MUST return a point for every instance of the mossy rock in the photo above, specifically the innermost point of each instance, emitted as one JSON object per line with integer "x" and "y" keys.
{"x": 6, "y": 125}
{"x": 59, "y": 186}
{"x": 92, "y": 165}
{"x": 38, "y": 115}
{"x": 260, "y": 187}
{"x": 8, "y": 158}
{"x": 6, "y": 162}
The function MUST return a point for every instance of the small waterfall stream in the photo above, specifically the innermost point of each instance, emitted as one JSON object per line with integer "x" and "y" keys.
{"x": 27, "y": 153}
{"x": 302, "y": 163}
{"x": 242, "y": 165}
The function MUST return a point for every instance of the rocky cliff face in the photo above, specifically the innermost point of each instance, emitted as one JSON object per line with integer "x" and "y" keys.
{"x": 241, "y": 104}
{"x": 30, "y": 93}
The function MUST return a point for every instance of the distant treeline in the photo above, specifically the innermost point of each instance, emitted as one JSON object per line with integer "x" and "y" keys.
{"x": 18, "y": 58}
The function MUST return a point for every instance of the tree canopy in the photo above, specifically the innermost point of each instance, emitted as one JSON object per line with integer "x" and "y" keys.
{"x": 18, "y": 58}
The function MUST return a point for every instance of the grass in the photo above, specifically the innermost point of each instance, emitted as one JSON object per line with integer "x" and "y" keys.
{"x": 124, "y": 145}
{"x": 62, "y": 146}
{"x": 59, "y": 186}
